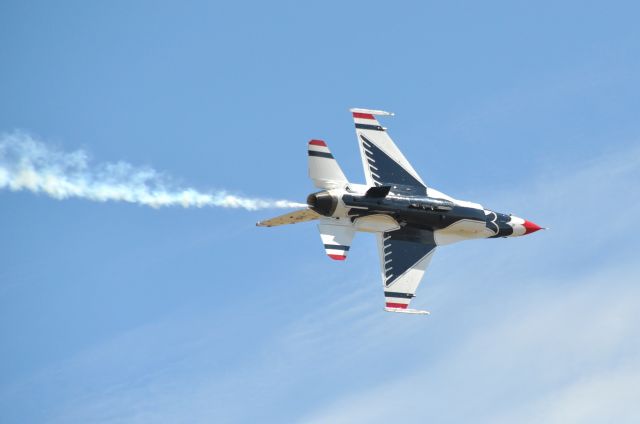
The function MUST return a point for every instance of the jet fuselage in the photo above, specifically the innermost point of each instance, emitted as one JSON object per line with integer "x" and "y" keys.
{"x": 407, "y": 208}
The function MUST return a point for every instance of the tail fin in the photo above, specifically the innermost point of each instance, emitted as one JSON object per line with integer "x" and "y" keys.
{"x": 323, "y": 168}
{"x": 290, "y": 218}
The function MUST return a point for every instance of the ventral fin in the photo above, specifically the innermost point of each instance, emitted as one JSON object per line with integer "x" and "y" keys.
{"x": 380, "y": 191}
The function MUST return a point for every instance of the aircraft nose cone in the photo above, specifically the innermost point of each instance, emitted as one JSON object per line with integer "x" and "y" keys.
{"x": 530, "y": 227}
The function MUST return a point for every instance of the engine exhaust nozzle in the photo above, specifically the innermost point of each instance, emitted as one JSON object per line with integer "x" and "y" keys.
{"x": 322, "y": 202}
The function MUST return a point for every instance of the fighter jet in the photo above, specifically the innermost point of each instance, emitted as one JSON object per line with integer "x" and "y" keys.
{"x": 409, "y": 218}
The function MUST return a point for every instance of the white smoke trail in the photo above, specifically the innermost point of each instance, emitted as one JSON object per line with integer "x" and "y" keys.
{"x": 28, "y": 164}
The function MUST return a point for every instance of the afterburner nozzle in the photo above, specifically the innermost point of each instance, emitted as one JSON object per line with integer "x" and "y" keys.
{"x": 322, "y": 202}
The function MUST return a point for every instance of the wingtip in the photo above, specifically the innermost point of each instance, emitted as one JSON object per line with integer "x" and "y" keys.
{"x": 371, "y": 111}
{"x": 408, "y": 311}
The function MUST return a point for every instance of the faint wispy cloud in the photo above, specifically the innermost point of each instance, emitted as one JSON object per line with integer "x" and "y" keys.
{"x": 563, "y": 344}
{"x": 608, "y": 395}
{"x": 561, "y": 349}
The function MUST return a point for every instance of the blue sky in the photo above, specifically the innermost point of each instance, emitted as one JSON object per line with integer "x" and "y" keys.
{"x": 112, "y": 312}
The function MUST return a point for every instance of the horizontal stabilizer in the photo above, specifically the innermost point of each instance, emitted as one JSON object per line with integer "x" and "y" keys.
{"x": 323, "y": 168}
{"x": 290, "y": 218}
{"x": 336, "y": 238}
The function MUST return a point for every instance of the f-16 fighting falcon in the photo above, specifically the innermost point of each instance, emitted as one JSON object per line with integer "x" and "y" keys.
{"x": 408, "y": 218}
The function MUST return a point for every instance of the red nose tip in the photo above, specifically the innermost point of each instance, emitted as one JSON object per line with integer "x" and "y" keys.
{"x": 530, "y": 227}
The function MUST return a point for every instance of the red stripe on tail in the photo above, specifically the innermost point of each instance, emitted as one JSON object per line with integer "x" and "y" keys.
{"x": 318, "y": 143}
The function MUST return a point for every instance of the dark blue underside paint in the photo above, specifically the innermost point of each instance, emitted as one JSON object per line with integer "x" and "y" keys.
{"x": 499, "y": 224}
{"x": 405, "y": 248}
{"x": 388, "y": 171}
